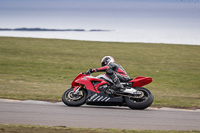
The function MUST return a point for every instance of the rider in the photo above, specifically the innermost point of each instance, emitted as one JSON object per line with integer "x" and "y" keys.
{"x": 114, "y": 71}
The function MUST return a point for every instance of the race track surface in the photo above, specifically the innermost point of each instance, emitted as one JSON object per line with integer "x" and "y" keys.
{"x": 58, "y": 114}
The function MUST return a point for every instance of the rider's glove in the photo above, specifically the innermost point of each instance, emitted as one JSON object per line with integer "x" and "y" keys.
{"x": 91, "y": 70}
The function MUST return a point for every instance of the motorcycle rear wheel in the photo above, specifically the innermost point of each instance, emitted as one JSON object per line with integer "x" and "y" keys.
{"x": 140, "y": 103}
{"x": 71, "y": 100}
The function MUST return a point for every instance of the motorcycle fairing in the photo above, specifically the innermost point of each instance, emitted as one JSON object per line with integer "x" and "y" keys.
{"x": 80, "y": 75}
{"x": 140, "y": 81}
{"x": 103, "y": 99}
{"x": 86, "y": 80}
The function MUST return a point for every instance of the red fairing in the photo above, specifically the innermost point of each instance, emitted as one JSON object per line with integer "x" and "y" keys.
{"x": 141, "y": 81}
{"x": 101, "y": 83}
{"x": 77, "y": 77}
{"x": 82, "y": 79}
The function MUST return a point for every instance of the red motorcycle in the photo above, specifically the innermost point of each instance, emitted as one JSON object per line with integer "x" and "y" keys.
{"x": 99, "y": 91}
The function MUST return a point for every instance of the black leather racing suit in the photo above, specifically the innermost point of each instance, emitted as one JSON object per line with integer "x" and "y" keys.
{"x": 114, "y": 71}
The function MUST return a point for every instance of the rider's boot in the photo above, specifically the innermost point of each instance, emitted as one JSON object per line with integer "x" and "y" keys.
{"x": 117, "y": 84}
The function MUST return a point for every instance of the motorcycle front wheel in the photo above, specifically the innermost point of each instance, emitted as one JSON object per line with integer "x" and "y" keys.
{"x": 141, "y": 102}
{"x": 70, "y": 99}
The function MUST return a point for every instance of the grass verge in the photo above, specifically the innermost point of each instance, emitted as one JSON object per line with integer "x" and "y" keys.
{"x": 45, "y": 129}
{"x": 42, "y": 69}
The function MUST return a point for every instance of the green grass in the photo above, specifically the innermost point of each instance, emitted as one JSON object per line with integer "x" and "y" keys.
{"x": 45, "y": 129}
{"x": 42, "y": 69}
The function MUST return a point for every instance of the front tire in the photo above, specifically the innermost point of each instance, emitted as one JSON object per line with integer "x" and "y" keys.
{"x": 140, "y": 103}
{"x": 71, "y": 100}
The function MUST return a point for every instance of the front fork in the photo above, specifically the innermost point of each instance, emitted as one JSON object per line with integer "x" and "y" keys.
{"x": 76, "y": 90}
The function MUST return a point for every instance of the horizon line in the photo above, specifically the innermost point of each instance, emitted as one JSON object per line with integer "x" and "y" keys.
{"x": 47, "y": 29}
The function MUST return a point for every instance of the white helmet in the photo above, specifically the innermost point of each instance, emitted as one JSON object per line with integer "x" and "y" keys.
{"x": 107, "y": 60}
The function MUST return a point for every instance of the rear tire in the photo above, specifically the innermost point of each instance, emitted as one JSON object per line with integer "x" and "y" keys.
{"x": 70, "y": 100}
{"x": 140, "y": 103}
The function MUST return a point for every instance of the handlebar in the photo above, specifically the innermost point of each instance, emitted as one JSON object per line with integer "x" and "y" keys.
{"x": 86, "y": 73}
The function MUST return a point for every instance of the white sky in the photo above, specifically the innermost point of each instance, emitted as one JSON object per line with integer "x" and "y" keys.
{"x": 143, "y": 17}
{"x": 111, "y": 14}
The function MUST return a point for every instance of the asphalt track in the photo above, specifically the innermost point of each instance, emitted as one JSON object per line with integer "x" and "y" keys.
{"x": 57, "y": 114}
